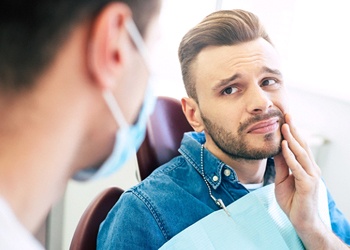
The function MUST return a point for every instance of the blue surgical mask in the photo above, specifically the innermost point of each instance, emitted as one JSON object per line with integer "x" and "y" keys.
{"x": 128, "y": 137}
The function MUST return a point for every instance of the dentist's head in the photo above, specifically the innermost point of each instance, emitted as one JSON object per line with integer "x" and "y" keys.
{"x": 74, "y": 94}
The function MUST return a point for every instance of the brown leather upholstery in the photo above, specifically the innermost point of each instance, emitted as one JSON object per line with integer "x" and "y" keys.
{"x": 85, "y": 234}
{"x": 165, "y": 130}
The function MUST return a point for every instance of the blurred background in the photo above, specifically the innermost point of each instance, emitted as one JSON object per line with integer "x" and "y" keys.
{"x": 313, "y": 40}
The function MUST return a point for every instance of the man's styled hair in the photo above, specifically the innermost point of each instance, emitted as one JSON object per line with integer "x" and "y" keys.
{"x": 32, "y": 32}
{"x": 221, "y": 28}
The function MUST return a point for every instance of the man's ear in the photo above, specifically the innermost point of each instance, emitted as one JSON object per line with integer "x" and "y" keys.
{"x": 106, "y": 49}
{"x": 192, "y": 113}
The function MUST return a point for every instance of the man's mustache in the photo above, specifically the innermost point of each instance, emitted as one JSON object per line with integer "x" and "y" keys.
{"x": 261, "y": 117}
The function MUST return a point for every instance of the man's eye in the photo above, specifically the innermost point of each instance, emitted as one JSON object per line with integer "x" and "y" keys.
{"x": 268, "y": 82}
{"x": 229, "y": 90}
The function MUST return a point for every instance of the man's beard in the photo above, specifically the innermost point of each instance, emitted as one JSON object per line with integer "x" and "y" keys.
{"x": 236, "y": 146}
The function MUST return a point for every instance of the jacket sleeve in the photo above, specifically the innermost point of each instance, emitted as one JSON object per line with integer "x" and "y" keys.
{"x": 340, "y": 225}
{"x": 130, "y": 225}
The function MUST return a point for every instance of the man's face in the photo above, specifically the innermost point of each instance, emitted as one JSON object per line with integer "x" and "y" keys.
{"x": 240, "y": 95}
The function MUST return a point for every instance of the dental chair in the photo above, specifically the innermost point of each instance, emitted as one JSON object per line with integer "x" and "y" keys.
{"x": 165, "y": 130}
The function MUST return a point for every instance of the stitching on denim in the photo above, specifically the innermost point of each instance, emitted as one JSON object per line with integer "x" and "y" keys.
{"x": 170, "y": 166}
{"x": 191, "y": 162}
{"x": 154, "y": 213}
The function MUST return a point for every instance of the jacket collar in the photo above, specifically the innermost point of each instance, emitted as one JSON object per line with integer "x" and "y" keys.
{"x": 191, "y": 149}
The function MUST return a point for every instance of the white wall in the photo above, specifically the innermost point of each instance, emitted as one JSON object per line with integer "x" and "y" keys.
{"x": 330, "y": 118}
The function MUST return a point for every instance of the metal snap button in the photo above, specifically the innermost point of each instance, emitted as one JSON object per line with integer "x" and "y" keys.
{"x": 227, "y": 172}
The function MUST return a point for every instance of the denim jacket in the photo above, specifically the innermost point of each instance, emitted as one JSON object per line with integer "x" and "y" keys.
{"x": 175, "y": 196}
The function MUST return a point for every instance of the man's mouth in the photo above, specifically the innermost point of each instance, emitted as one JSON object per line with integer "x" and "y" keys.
{"x": 264, "y": 127}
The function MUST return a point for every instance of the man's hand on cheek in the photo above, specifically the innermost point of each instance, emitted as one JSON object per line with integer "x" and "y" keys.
{"x": 297, "y": 179}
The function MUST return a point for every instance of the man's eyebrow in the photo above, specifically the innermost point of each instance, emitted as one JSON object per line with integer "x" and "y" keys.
{"x": 272, "y": 71}
{"x": 226, "y": 81}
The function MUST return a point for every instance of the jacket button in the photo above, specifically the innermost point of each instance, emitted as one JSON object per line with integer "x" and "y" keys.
{"x": 227, "y": 172}
{"x": 215, "y": 178}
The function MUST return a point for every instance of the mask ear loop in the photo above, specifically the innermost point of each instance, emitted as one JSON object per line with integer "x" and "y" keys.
{"x": 114, "y": 107}
{"x": 140, "y": 46}
{"x": 138, "y": 40}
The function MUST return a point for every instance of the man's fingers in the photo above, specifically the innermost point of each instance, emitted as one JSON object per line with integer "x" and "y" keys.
{"x": 294, "y": 132}
{"x": 294, "y": 165}
{"x": 294, "y": 153}
{"x": 299, "y": 159}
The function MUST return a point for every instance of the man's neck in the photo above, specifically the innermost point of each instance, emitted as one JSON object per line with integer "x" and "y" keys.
{"x": 248, "y": 171}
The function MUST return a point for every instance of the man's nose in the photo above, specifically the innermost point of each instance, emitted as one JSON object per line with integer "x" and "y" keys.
{"x": 258, "y": 100}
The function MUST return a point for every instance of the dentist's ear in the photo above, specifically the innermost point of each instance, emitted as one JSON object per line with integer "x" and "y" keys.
{"x": 107, "y": 48}
{"x": 192, "y": 113}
